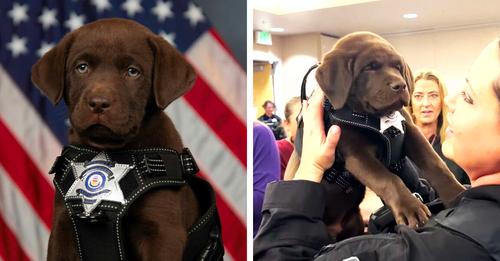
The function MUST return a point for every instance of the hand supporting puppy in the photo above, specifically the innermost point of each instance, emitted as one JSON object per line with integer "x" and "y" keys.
{"x": 318, "y": 151}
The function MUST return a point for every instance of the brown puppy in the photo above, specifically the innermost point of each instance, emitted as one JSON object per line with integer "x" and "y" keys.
{"x": 116, "y": 78}
{"x": 364, "y": 73}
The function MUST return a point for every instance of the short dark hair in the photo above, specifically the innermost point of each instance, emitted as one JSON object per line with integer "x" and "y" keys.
{"x": 266, "y": 102}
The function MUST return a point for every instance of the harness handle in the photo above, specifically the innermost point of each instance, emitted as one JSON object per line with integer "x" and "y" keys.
{"x": 300, "y": 124}
{"x": 303, "y": 95}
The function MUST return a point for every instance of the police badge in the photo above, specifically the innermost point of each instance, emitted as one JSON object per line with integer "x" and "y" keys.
{"x": 97, "y": 180}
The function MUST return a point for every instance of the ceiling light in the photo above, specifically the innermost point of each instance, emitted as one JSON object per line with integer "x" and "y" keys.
{"x": 410, "y": 16}
{"x": 277, "y": 29}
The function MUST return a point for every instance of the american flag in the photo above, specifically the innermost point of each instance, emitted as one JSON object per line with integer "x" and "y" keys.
{"x": 210, "y": 118}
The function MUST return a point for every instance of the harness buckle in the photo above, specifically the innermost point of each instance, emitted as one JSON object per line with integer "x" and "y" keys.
{"x": 94, "y": 217}
{"x": 418, "y": 196}
{"x": 189, "y": 165}
{"x": 153, "y": 165}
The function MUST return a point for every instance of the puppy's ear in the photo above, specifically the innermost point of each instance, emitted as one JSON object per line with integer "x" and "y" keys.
{"x": 49, "y": 72}
{"x": 408, "y": 76}
{"x": 172, "y": 74}
{"x": 335, "y": 77}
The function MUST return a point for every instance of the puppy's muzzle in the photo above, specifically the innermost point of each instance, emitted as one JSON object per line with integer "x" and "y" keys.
{"x": 398, "y": 86}
{"x": 98, "y": 104}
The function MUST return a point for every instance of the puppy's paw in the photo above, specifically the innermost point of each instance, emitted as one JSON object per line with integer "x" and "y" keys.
{"x": 410, "y": 211}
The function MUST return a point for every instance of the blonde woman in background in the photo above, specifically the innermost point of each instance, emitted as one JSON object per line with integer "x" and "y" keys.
{"x": 285, "y": 146}
{"x": 429, "y": 114}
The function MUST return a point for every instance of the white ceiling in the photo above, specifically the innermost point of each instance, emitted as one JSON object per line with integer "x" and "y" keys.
{"x": 383, "y": 17}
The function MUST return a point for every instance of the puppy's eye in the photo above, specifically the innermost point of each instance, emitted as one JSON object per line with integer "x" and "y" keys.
{"x": 373, "y": 66}
{"x": 133, "y": 72}
{"x": 399, "y": 67}
{"x": 82, "y": 68}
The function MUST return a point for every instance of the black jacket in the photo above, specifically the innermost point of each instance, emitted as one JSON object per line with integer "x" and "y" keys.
{"x": 274, "y": 123}
{"x": 292, "y": 229}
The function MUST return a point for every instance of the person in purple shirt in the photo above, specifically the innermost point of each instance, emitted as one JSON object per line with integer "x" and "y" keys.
{"x": 266, "y": 167}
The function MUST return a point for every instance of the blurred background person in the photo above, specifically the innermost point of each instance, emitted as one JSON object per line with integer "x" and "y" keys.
{"x": 272, "y": 120}
{"x": 266, "y": 167}
{"x": 429, "y": 114}
{"x": 285, "y": 146}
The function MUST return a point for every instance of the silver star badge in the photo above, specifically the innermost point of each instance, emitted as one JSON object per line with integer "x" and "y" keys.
{"x": 97, "y": 180}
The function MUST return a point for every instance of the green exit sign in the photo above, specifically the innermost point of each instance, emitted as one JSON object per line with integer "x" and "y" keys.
{"x": 263, "y": 37}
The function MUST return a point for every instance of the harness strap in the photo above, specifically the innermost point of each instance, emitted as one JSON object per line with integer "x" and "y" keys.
{"x": 205, "y": 237}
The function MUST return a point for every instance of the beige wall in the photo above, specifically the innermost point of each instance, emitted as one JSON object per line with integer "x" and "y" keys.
{"x": 449, "y": 52}
{"x": 299, "y": 53}
{"x": 294, "y": 55}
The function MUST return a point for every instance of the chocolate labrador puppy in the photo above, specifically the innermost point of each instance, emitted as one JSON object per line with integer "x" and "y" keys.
{"x": 116, "y": 78}
{"x": 364, "y": 78}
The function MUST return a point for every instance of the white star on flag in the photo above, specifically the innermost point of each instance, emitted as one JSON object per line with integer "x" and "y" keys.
{"x": 48, "y": 18}
{"x": 74, "y": 21}
{"x": 19, "y": 13}
{"x": 194, "y": 14}
{"x": 101, "y": 5}
{"x": 44, "y": 48}
{"x": 18, "y": 45}
{"x": 170, "y": 37}
{"x": 132, "y": 7}
{"x": 163, "y": 10}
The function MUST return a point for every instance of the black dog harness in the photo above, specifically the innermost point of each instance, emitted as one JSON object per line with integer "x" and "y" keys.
{"x": 99, "y": 187}
{"x": 387, "y": 132}
{"x": 389, "y": 139}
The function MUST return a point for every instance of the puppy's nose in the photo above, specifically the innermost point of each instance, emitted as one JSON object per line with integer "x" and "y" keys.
{"x": 98, "y": 104}
{"x": 397, "y": 86}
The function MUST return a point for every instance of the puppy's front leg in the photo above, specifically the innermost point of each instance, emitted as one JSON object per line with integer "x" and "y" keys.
{"x": 418, "y": 149}
{"x": 157, "y": 224}
{"x": 372, "y": 173}
{"x": 61, "y": 242}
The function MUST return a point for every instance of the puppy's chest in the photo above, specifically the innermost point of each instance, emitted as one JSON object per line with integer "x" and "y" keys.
{"x": 382, "y": 138}
{"x": 93, "y": 182}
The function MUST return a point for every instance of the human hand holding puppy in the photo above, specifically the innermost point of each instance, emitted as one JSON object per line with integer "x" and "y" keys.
{"x": 318, "y": 149}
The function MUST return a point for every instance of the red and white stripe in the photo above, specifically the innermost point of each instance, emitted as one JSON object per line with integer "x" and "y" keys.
{"x": 26, "y": 191}
{"x": 210, "y": 119}
{"x": 26, "y": 125}
{"x": 211, "y": 122}
{"x": 21, "y": 219}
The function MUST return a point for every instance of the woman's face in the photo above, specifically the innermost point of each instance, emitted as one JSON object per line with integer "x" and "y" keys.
{"x": 473, "y": 133}
{"x": 426, "y": 102}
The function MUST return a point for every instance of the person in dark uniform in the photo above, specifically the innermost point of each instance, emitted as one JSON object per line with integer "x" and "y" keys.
{"x": 429, "y": 114}
{"x": 272, "y": 120}
{"x": 292, "y": 226}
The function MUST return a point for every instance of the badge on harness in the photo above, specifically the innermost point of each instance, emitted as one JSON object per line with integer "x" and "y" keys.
{"x": 97, "y": 180}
